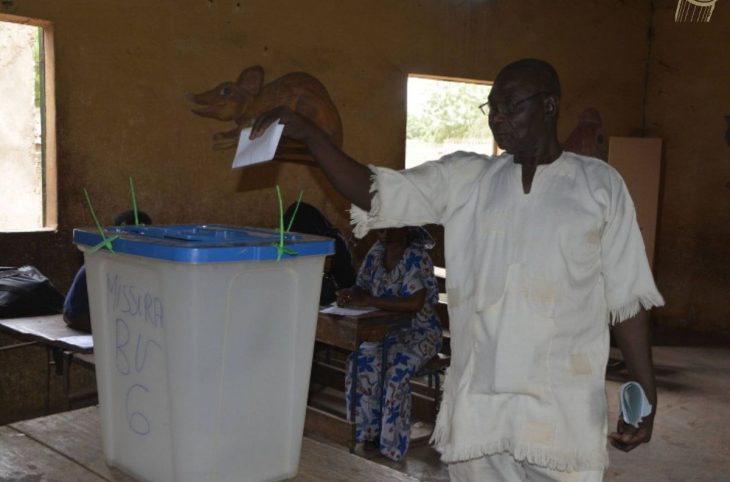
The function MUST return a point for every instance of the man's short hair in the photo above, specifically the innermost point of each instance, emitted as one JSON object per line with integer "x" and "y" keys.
{"x": 540, "y": 71}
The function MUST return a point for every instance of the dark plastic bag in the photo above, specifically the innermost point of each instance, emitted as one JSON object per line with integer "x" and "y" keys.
{"x": 24, "y": 291}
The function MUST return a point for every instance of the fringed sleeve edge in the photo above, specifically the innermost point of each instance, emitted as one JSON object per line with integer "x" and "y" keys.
{"x": 627, "y": 310}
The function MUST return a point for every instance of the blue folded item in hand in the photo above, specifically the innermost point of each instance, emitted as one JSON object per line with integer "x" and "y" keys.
{"x": 633, "y": 404}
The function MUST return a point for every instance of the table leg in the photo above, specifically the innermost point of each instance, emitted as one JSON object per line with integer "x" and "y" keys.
{"x": 49, "y": 362}
{"x": 67, "y": 356}
{"x": 58, "y": 355}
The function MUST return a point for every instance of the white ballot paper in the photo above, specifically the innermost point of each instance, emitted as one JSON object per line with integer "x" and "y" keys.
{"x": 258, "y": 150}
{"x": 633, "y": 404}
{"x": 81, "y": 341}
{"x": 333, "y": 309}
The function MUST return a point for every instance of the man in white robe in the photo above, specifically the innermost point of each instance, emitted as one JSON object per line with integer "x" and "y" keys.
{"x": 544, "y": 255}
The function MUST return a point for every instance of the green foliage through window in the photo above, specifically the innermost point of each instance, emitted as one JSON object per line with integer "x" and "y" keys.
{"x": 442, "y": 110}
{"x": 37, "y": 47}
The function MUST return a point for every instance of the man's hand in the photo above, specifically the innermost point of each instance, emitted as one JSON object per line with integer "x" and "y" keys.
{"x": 627, "y": 437}
{"x": 296, "y": 126}
{"x": 632, "y": 337}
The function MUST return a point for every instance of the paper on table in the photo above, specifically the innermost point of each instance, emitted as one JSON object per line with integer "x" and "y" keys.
{"x": 261, "y": 149}
{"x": 338, "y": 310}
{"x": 81, "y": 341}
{"x": 633, "y": 404}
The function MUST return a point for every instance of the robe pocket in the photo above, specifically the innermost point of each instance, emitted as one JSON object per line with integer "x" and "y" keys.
{"x": 511, "y": 343}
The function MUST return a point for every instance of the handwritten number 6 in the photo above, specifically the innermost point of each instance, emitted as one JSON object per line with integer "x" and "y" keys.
{"x": 137, "y": 421}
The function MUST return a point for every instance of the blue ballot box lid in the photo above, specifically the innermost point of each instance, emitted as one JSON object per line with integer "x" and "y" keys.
{"x": 205, "y": 243}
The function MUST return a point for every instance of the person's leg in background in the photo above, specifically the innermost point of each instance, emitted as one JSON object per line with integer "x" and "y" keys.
{"x": 407, "y": 350}
{"x": 367, "y": 394}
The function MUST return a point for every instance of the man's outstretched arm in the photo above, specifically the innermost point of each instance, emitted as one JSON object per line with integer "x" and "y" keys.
{"x": 633, "y": 338}
{"x": 348, "y": 176}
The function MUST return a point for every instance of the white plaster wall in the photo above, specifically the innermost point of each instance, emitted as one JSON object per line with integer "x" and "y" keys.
{"x": 20, "y": 155}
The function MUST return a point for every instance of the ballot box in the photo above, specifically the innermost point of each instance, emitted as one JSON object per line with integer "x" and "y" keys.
{"x": 203, "y": 342}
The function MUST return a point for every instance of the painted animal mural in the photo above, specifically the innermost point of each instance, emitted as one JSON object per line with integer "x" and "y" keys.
{"x": 243, "y": 100}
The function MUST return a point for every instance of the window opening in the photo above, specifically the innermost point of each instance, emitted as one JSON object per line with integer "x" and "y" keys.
{"x": 27, "y": 131}
{"x": 444, "y": 117}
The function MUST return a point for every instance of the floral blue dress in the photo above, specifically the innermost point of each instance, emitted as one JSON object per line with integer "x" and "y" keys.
{"x": 407, "y": 350}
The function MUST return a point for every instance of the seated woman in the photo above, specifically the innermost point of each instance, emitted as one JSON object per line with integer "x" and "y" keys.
{"x": 397, "y": 275}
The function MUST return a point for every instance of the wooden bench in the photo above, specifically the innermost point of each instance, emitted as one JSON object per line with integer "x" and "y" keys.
{"x": 434, "y": 370}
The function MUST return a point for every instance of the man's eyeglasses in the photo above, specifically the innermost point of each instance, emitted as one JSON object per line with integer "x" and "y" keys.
{"x": 507, "y": 108}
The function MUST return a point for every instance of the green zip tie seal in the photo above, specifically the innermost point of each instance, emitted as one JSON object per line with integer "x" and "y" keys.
{"x": 280, "y": 248}
{"x": 296, "y": 208}
{"x": 105, "y": 242}
{"x": 134, "y": 201}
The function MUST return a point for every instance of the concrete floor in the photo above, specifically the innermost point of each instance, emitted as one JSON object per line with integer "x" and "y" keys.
{"x": 691, "y": 440}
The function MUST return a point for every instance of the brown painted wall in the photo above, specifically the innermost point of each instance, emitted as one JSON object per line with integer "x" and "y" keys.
{"x": 123, "y": 68}
{"x": 688, "y": 98}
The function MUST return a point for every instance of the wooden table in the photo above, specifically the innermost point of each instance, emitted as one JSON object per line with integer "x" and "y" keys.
{"x": 67, "y": 447}
{"x": 348, "y": 333}
{"x": 50, "y": 330}
{"x": 62, "y": 343}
